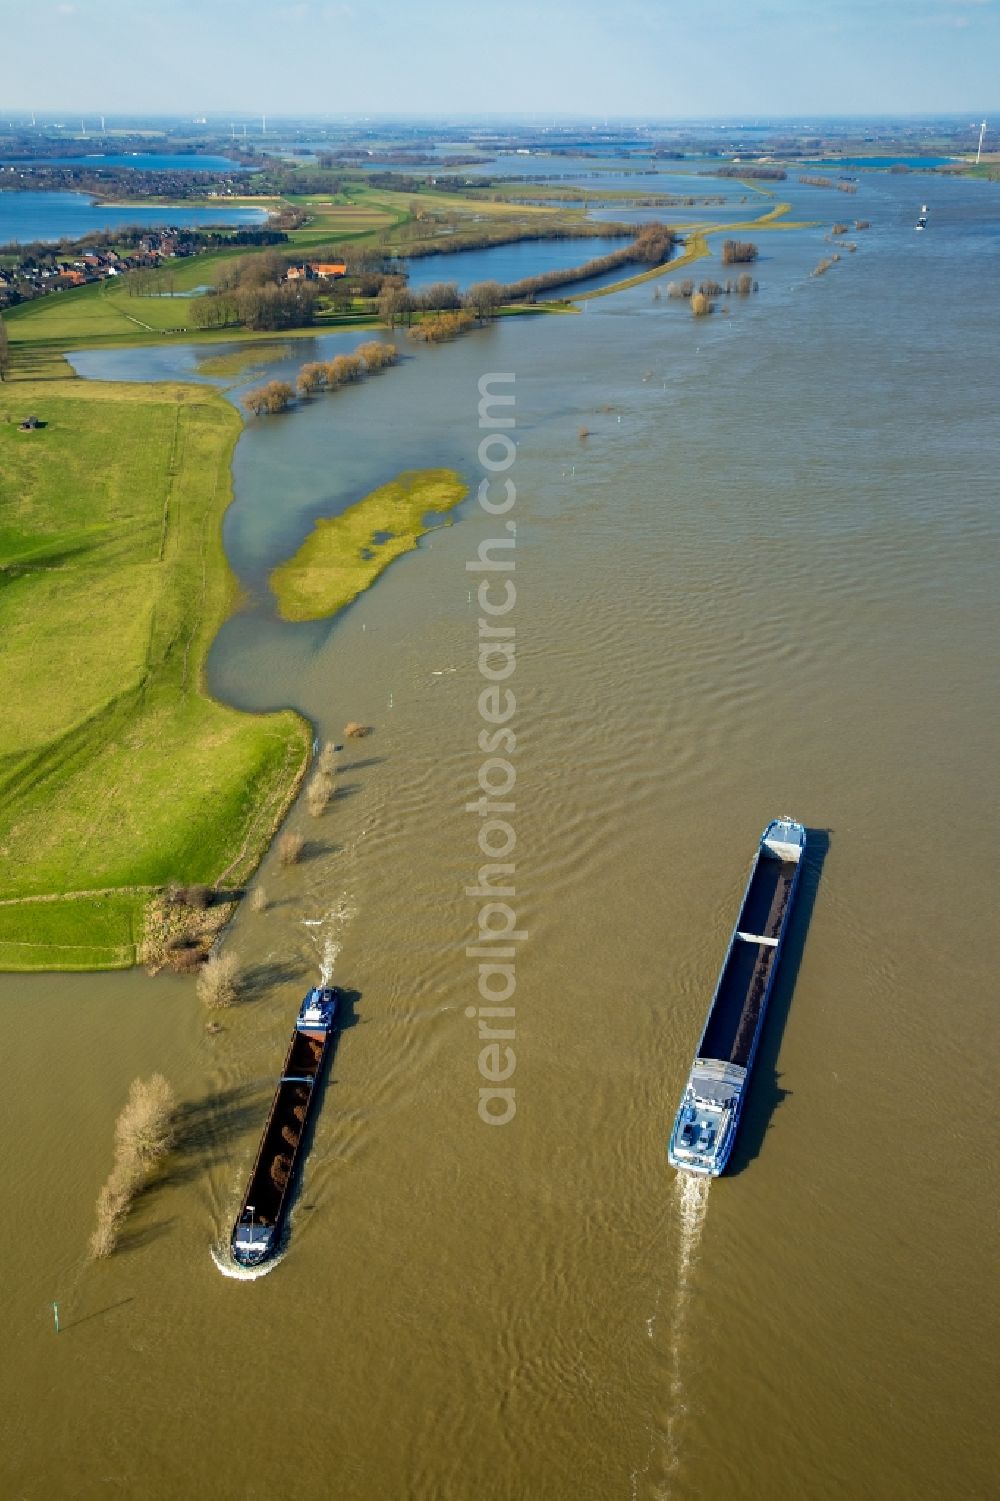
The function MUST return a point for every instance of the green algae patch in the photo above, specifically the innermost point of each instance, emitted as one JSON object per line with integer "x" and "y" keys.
{"x": 346, "y": 554}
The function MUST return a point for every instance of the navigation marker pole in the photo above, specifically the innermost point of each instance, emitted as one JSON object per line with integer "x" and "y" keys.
{"x": 979, "y": 150}
{"x": 55, "y": 1315}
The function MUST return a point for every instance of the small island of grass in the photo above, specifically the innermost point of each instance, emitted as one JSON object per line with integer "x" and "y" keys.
{"x": 345, "y": 555}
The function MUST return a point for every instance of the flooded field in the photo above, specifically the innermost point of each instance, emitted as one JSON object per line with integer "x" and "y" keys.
{"x": 765, "y": 583}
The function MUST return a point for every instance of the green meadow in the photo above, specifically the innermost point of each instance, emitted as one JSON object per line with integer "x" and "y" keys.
{"x": 117, "y": 772}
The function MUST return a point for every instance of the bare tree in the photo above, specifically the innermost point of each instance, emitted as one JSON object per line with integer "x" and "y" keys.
{"x": 485, "y": 298}
{"x": 394, "y": 305}
{"x": 276, "y": 396}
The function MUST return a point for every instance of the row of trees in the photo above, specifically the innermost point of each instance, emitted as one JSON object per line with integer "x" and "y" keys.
{"x": 343, "y": 369}
{"x": 322, "y": 375}
{"x": 396, "y": 304}
{"x": 829, "y": 182}
{"x": 487, "y": 240}
{"x": 742, "y": 286}
{"x": 746, "y": 170}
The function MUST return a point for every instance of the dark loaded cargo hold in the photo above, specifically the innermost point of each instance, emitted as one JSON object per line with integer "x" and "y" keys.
{"x": 732, "y": 1023}
{"x": 265, "y": 1203}
{"x": 708, "y": 1118}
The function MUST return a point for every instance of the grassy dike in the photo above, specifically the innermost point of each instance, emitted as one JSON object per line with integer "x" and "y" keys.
{"x": 117, "y": 772}
{"x": 696, "y": 247}
{"x": 344, "y": 556}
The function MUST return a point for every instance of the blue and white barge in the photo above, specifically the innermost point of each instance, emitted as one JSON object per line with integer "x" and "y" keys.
{"x": 265, "y": 1203}
{"x": 709, "y": 1114}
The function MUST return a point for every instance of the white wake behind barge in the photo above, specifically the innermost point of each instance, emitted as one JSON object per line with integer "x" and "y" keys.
{"x": 709, "y": 1114}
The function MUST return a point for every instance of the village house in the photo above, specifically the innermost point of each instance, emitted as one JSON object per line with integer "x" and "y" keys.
{"x": 316, "y": 271}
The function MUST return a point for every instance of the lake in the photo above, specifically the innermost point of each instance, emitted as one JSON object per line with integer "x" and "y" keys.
{"x": 508, "y": 263}
{"x": 139, "y": 161}
{"x": 883, "y": 161}
{"x": 765, "y": 583}
{"x": 51, "y": 216}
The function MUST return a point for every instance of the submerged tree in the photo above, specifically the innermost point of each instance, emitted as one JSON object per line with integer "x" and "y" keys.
{"x": 736, "y": 251}
{"x": 276, "y": 396}
{"x": 144, "y": 1133}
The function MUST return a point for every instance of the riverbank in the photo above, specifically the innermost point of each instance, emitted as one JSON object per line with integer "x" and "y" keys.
{"x": 129, "y": 776}
{"x": 117, "y": 772}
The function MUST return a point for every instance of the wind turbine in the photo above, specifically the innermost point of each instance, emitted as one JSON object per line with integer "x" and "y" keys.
{"x": 979, "y": 150}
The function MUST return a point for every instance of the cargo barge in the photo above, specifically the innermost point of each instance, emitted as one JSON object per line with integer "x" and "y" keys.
{"x": 709, "y": 1114}
{"x": 265, "y": 1203}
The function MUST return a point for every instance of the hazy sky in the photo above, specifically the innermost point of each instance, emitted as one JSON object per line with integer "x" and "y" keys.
{"x": 588, "y": 57}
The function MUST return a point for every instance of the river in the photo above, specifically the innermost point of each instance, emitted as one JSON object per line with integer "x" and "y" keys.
{"x": 765, "y": 583}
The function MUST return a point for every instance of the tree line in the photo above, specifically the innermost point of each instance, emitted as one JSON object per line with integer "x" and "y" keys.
{"x": 702, "y": 297}
{"x": 483, "y": 240}
{"x": 749, "y": 172}
{"x": 829, "y": 182}
{"x": 322, "y": 375}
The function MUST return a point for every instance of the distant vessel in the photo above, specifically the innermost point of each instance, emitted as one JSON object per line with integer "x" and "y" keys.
{"x": 922, "y": 217}
{"x": 258, "y": 1225}
{"x": 709, "y": 1114}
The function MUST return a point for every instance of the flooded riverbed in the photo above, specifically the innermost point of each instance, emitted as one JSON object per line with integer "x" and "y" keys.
{"x": 764, "y": 584}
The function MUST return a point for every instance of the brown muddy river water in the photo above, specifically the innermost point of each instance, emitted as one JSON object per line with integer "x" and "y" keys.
{"x": 765, "y": 584}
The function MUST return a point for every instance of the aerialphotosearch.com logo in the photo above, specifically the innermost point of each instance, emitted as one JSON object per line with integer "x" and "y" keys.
{"x": 496, "y": 934}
